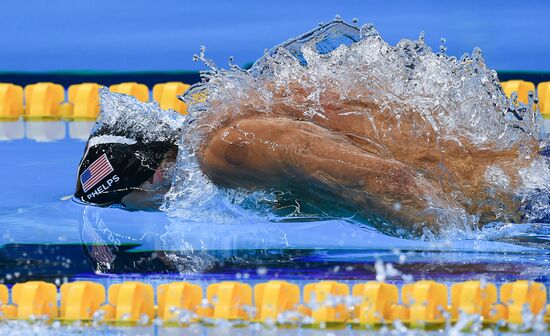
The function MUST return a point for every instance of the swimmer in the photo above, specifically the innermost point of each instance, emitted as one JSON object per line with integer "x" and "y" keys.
{"x": 353, "y": 155}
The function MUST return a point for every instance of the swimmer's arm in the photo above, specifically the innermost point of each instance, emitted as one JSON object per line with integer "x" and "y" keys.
{"x": 284, "y": 153}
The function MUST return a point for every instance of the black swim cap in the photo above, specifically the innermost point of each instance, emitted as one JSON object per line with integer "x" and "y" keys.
{"x": 126, "y": 146}
{"x": 110, "y": 171}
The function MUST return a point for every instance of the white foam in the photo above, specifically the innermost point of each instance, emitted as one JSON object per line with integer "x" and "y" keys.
{"x": 105, "y": 139}
{"x": 127, "y": 116}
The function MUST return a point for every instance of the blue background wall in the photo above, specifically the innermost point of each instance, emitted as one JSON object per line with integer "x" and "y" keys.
{"x": 137, "y": 35}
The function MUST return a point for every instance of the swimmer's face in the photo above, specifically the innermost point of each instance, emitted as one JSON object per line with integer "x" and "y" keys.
{"x": 150, "y": 194}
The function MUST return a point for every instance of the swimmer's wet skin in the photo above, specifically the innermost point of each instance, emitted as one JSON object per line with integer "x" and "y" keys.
{"x": 308, "y": 159}
{"x": 333, "y": 123}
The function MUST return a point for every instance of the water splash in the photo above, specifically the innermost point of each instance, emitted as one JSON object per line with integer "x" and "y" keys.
{"x": 447, "y": 118}
{"x": 124, "y": 115}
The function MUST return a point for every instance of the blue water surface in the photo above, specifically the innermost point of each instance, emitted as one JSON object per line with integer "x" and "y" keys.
{"x": 44, "y": 234}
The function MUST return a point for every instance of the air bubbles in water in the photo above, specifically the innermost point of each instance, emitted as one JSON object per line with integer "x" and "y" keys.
{"x": 531, "y": 98}
{"x": 421, "y": 37}
{"x": 202, "y": 57}
{"x": 442, "y": 47}
{"x": 514, "y": 98}
{"x": 477, "y": 55}
{"x": 368, "y": 30}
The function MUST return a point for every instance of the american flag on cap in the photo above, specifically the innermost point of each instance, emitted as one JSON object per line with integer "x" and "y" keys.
{"x": 96, "y": 172}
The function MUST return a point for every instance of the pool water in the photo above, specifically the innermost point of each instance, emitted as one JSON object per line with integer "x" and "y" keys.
{"x": 46, "y": 235}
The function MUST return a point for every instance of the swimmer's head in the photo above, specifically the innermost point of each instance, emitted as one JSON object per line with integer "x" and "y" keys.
{"x": 129, "y": 154}
{"x": 118, "y": 170}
